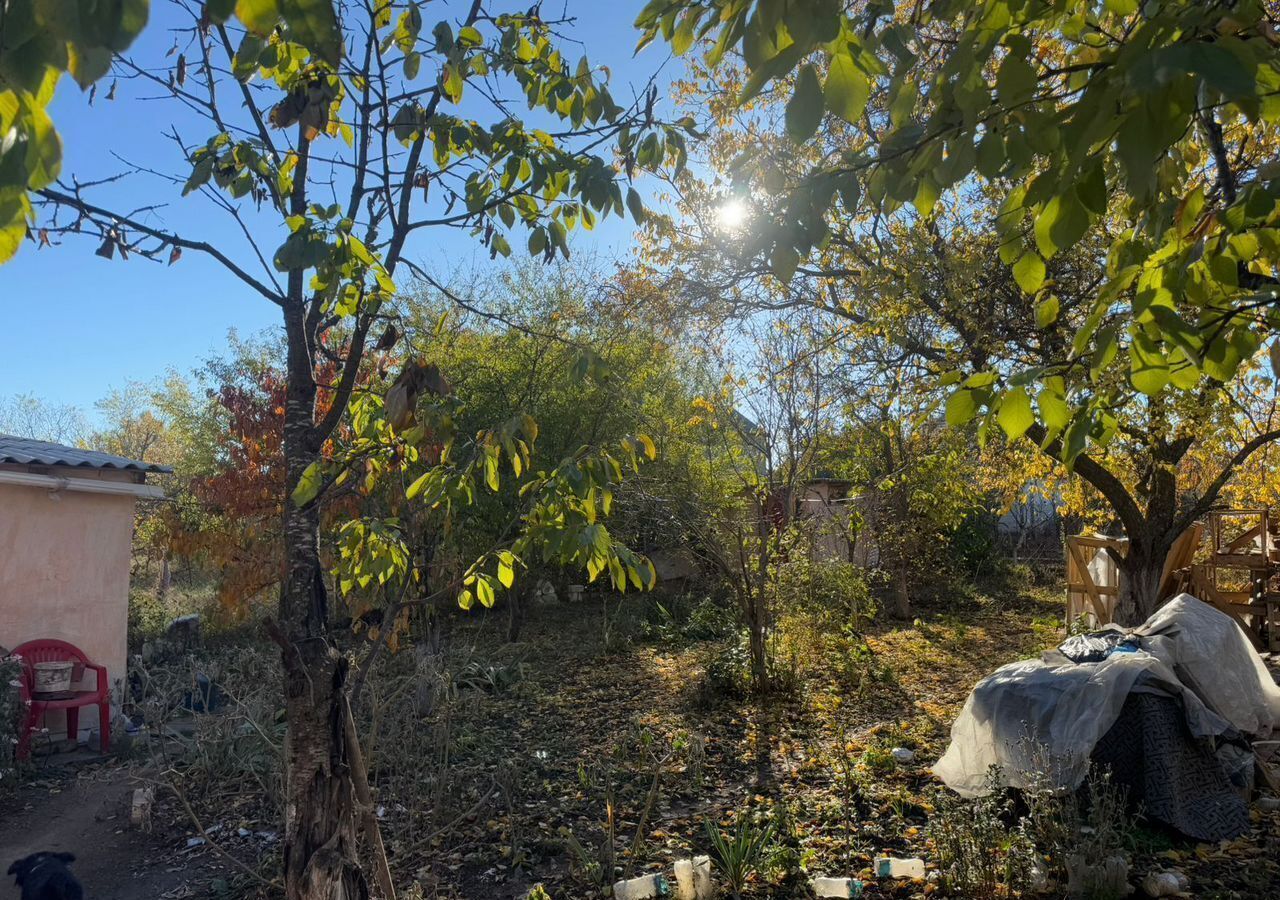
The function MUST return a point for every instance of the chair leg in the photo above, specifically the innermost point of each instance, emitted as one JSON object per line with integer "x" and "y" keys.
{"x": 104, "y": 727}
{"x": 73, "y": 724}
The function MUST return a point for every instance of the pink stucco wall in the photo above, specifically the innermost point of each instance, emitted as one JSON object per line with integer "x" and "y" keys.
{"x": 64, "y": 573}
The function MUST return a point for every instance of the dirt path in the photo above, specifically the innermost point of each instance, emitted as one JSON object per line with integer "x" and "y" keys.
{"x": 88, "y": 815}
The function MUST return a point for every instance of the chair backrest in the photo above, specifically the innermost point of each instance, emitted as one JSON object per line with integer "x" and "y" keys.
{"x": 50, "y": 650}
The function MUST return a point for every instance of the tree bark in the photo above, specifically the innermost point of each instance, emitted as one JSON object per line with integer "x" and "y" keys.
{"x": 1141, "y": 572}
{"x": 901, "y": 592}
{"x": 517, "y": 601}
{"x": 756, "y": 629}
{"x": 320, "y": 827}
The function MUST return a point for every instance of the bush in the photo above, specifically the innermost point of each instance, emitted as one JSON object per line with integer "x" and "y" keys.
{"x": 729, "y": 672}
{"x": 829, "y": 592}
{"x": 979, "y": 855}
{"x": 1086, "y": 833}
{"x": 709, "y": 620}
{"x": 681, "y": 619}
{"x": 1079, "y": 837}
{"x": 12, "y": 715}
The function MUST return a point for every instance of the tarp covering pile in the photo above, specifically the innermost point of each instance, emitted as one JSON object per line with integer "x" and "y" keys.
{"x": 1041, "y": 721}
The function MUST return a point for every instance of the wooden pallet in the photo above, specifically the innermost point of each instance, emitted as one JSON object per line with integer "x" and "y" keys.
{"x": 1093, "y": 576}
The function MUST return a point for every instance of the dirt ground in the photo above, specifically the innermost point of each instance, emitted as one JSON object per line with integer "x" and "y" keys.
{"x": 87, "y": 813}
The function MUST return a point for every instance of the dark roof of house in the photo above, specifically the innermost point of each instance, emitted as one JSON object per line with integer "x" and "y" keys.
{"x": 25, "y": 451}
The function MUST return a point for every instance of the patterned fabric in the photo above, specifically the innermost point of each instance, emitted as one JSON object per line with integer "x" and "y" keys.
{"x": 1175, "y": 777}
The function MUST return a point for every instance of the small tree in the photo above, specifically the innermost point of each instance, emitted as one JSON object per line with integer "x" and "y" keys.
{"x": 332, "y": 142}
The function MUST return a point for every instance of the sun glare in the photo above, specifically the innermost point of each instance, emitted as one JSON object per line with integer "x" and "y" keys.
{"x": 732, "y": 215}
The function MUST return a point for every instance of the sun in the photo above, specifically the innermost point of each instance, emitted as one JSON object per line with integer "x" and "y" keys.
{"x": 732, "y": 215}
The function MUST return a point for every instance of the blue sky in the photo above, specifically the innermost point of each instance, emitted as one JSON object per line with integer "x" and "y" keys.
{"x": 76, "y": 324}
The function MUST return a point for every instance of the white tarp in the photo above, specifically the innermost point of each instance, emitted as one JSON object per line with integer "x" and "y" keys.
{"x": 1041, "y": 719}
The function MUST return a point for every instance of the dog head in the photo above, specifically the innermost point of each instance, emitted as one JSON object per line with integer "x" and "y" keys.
{"x": 21, "y": 868}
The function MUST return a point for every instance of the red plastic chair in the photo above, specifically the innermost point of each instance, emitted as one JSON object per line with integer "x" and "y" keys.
{"x": 50, "y": 650}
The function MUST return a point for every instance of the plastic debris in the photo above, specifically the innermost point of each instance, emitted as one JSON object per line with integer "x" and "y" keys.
{"x": 837, "y": 887}
{"x": 1038, "y": 877}
{"x": 1110, "y": 878}
{"x": 902, "y": 754}
{"x": 1166, "y": 883}
{"x": 1267, "y": 804}
{"x": 895, "y": 867}
{"x": 140, "y": 811}
{"x": 693, "y": 879}
{"x": 642, "y": 888}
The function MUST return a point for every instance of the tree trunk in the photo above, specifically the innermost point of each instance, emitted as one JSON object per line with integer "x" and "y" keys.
{"x": 901, "y": 593}
{"x": 516, "y": 603}
{"x": 163, "y": 578}
{"x": 320, "y": 827}
{"x": 757, "y": 630}
{"x": 1139, "y": 596}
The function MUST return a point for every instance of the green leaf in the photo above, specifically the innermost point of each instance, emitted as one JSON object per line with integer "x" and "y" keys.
{"x": 1016, "y": 80}
{"x": 1221, "y": 69}
{"x": 847, "y": 88}
{"x": 682, "y": 37}
{"x": 13, "y": 225}
{"x": 259, "y": 16}
{"x": 784, "y": 260}
{"x": 804, "y": 109}
{"x": 309, "y": 485}
{"x": 1015, "y": 415}
{"x": 1061, "y": 223}
{"x": 220, "y": 10}
{"x": 484, "y": 591}
{"x": 1148, "y": 369}
{"x": 314, "y": 24}
{"x": 1052, "y": 402}
{"x": 491, "y": 471}
{"x": 636, "y": 206}
{"x": 1029, "y": 272}
{"x": 1047, "y": 311}
{"x": 506, "y": 572}
{"x": 416, "y": 487}
{"x": 961, "y": 407}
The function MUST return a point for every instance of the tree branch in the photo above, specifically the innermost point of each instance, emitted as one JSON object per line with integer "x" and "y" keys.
{"x": 88, "y": 209}
{"x": 350, "y": 372}
{"x": 1210, "y": 496}
{"x": 1107, "y": 484}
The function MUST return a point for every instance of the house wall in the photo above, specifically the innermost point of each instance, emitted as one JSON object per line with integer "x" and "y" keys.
{"x": 829, "y": 522}
{"x": 64, "y": 573}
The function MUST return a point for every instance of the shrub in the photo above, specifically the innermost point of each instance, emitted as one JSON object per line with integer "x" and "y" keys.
{"x": 12, "y": 715}
{"x": 831, "y": 593}
{"x": 979, "y": 855}
{"x": 729, "y": 672}
{"x": 707, "y": 619}
{"x": 1086, "y": 833}
{"x": 878, "y": 760}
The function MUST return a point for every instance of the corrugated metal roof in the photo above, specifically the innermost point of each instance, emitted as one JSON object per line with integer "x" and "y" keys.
{"x": 25, "y": 451}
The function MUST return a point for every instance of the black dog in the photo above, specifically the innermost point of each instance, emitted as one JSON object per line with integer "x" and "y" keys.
{"x": 45, "y": 876}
